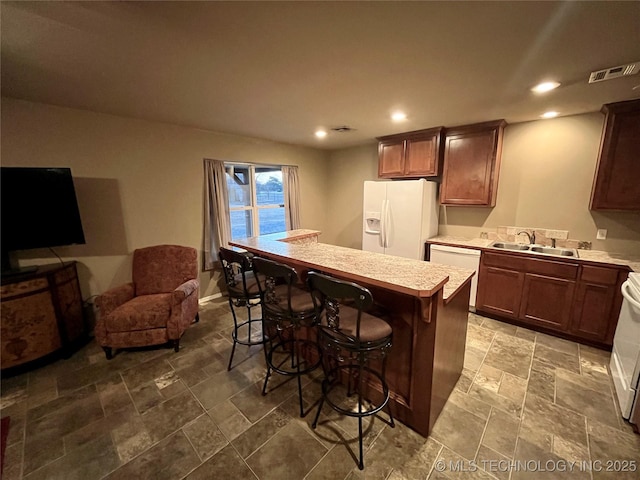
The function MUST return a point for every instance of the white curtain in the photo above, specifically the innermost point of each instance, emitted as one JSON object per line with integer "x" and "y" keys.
{"x": 217, "y": 222}
{"x": 291, "y": 185}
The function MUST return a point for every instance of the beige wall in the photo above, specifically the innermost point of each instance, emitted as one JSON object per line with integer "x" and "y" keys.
{"x": 348, "y": 168}
{"x": 545, "y": 182}
{"x": 139, "y": 183}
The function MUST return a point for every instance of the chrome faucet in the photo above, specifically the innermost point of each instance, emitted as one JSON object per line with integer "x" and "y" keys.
{"x": 531, "y": 236}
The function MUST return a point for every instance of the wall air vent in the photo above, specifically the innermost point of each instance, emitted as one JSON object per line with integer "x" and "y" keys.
{"x": 343, "y": 129}
{"x": 614, "y": 72}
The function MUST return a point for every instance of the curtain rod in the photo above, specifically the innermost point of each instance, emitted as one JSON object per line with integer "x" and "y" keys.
{"x": 229, "y": 162}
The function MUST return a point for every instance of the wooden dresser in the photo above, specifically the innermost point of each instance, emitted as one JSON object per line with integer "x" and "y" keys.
{"x": 41, "y": 313}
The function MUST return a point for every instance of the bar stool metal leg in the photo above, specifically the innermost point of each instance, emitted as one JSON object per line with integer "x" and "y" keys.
{"x": 243, "y": 291}
{"x": 287, "y": 309}
{"x": 348, "y": 348}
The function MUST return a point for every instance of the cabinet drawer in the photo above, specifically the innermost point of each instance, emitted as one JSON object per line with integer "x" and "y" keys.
{"x": 23, "y": 288}
{"x": 567, "y": 271}
{"x": 511, "y": 262}
{"x": 602, "y": 275}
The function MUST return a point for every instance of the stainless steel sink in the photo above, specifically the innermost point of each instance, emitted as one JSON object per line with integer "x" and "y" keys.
{"x": 535, "y": 249}
{"x": 510, "y": 246}
{"x": 563, "y": 252}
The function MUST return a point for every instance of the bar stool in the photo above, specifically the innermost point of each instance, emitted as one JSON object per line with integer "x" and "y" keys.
{"x": 349, "y": 338}
{"x": 243, "y": 292}
{"x": 286, "y": 310}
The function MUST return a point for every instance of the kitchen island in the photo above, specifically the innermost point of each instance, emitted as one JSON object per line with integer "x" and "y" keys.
{"x": 425, "y": 304}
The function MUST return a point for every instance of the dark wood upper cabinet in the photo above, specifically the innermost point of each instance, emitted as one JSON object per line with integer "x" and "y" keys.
{"x": 472, "y": 164}
{"x": 616, "y": 185}
{"x": 411, "y": 155}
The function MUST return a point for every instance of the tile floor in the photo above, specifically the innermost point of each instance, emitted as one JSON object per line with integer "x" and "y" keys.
{"x": 525, "y": 402}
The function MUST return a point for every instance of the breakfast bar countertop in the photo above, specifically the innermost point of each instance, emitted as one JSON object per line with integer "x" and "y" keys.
{"x": 425, "y": 304}
{"x": 413, "y": 277}
{"x": 291, "y": 235}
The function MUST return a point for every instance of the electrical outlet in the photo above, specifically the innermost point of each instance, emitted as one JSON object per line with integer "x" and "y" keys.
{"x": 601, "y": 234}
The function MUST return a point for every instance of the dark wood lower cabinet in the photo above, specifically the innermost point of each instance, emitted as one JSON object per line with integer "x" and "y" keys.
{"x": 568, "y": 299}
{"x": 547, "y": 301}
{"x": 598, "y": 302}
{"x": 499, "y": 290}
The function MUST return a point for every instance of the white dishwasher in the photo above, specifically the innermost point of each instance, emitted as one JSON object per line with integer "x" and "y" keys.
{"x": 458, "y": 257}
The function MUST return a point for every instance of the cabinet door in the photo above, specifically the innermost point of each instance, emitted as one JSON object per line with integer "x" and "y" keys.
{"x": 421, "y": 157}
{"x": 597, "y": 303}
{"x": 29, "y": 327}
{"x": 547, "y": 301}
{"x": 616, "y": 185}
{"x": 499, "y": 291}
{"x": 471, "y": 165}
{"x": 391, "y": 159}
{"x": 593, "y": 310}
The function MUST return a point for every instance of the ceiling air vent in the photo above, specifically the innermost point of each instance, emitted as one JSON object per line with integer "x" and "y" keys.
{"x": 343, "y": 129}
{"x": 614, "y": 72}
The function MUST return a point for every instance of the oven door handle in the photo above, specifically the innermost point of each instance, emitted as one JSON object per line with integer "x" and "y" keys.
{"x": 626, "y": 294}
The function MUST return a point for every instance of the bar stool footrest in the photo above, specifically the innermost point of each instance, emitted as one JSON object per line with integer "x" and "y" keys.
{"x": 328, "y": 386}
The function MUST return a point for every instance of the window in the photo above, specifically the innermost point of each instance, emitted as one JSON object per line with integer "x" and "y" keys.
{"x": 256, "y": 200}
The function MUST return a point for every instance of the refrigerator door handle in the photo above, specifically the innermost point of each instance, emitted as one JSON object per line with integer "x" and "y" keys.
{"x": 383, "y": 224}
{"x": 387, "y": 223}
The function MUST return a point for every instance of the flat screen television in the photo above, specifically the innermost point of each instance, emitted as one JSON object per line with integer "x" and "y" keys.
{"x": 39, "y": 210}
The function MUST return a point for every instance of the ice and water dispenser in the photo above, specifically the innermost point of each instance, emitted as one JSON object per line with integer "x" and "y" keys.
{"x": 373, "y": 222}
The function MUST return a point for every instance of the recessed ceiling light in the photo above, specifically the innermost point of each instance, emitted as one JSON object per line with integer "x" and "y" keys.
{"x": 545, "y": 87}
{"x": 398, "y": 116}
{"x": 321, "y": 133}
{"x": 549, "y": 114}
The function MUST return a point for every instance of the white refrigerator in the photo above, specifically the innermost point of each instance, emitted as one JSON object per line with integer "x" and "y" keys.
{"x": 398, "y": 216}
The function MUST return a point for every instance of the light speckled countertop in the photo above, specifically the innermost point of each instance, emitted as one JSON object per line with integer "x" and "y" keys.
{"x": 412, "y": 277}
{"x": 291, "y": 235}
{"x": 596, "y": 256}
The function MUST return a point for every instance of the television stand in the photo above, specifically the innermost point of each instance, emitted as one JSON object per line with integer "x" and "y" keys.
{"x": 41, "y": 314}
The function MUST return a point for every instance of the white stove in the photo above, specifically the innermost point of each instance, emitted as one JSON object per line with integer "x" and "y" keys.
{"x": 625, "y": 357}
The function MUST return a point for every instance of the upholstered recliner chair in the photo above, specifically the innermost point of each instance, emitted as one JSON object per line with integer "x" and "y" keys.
{"x": 157, "y": 306}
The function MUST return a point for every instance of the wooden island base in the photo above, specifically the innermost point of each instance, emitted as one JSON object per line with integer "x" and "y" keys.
{"x": 429, "y": 332}
{"x": 427, "y": 356}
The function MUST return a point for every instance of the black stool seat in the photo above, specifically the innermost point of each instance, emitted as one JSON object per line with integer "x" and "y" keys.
{"x": 372, "y": 329}
{"x": 243, "y": 291}
{"x": 301, "y": 303}
{"x": 286, "y": 310}
{"x": 349, "y": 339}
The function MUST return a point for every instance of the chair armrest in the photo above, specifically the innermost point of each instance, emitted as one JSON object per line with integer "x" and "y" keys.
{"x": 184, "y": 290}
{"x": 108, "y": 301}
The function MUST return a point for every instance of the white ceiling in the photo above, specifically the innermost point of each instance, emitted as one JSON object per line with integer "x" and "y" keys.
{"x": 280, "y": 70}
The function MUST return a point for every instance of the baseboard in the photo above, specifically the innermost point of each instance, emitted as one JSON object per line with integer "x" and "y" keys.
{"x": 209, "y": 298}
